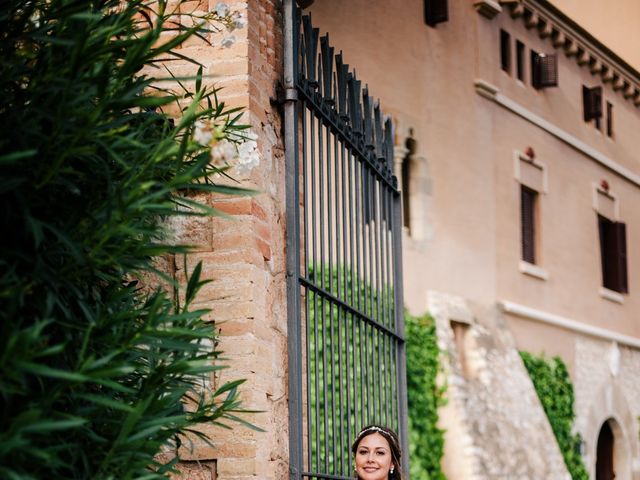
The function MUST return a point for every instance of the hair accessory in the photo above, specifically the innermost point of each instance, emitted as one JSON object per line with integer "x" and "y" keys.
{"x": 374, "y": 428}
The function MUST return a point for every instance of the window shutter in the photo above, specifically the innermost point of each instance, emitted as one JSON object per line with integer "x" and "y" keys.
{"x": 621, "y": 257}
{"x": 527, "y": 204}
{"x": 544, "y": 70}
{"x": 435, "y": 11}
{"x": 592, "y": 102}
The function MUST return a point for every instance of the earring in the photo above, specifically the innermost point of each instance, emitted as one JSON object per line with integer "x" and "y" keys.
{"x": 392, "y": 470}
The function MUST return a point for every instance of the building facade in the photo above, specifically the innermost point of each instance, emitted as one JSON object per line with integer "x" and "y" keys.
{"x": 515, "y": 136}
{"x": 516, "y": 150}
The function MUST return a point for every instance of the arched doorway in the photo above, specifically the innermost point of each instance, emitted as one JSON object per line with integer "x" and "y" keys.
{"x": 605, "y": 453}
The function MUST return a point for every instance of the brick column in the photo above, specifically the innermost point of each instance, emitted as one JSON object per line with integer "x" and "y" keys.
{"x": 243, "y": 256}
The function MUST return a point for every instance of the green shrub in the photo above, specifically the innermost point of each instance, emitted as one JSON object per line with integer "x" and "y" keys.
{"x": 94, "y": 369}
{"x": 426, "y": 440}
{"x": 555, "y": 391}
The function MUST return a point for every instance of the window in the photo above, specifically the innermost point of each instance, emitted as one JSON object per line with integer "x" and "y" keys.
{"x": 520, "y": 60}
{"x": 528, "y": 201}
{"x": 613, "y": 254}
{"x": 592, "y": 104}
{"x": 609, "y": 119}
{"x": 435, "y": 11}
{"x": 544, "y": 70}
{"x": 505, "y": 51}
{"x": 405, "y": 183}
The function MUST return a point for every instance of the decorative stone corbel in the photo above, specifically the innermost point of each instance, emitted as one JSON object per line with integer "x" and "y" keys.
{"x": 558, "y": 39}
{"x": 517, "y": 10}
{"x": 546, "y": 29}
{"x": 532, "y": 20}
{"x": 596, "y": 65}
{"x": 618, "y": 83}
{"x": 487, "y": 8}
{"x": 584, "y": 58}
{"x": 570, "y": 47}
{"x": 629, "y": 90}
{"x": 607, "y": 73}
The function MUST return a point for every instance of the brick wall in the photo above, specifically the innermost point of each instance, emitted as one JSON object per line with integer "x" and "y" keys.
{"x": 243, "y": 253}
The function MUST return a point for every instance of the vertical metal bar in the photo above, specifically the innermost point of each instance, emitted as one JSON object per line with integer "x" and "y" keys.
{"x": 340, "y": 311}
{"x": 332, "y": 335}
{"x": 401, "y": 359}
{"x": 323, "y": 300}
{"x": 314, "y": 398}
{"x": 292, "y": 245}
{"x": 307, "y": 254}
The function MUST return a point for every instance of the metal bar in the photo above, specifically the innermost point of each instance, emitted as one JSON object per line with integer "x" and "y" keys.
{"x": 314, "y": 398}
{"x": 339, "y": 127}
{"x": 329, "y": 296}
{"x": 292, "y": 245}
{"x": 305, "y": 194}
{"x": 323, "y": 315}
{"x": 332, "y": 363}
{"x": 401, "y": 359}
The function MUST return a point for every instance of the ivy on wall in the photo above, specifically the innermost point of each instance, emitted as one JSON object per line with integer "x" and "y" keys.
{"x": 426, "y": 440}
{"x": 555, "y": 391}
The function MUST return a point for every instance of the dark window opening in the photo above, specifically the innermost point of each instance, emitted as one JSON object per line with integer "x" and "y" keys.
{"x": 435, "y": 11}
{"x": 613, "y": 254}
{"x": 406, "y": 209}
{"x": 544, "y": 70}
{"x": 528, "y": 200}
{"x": 609, "y": 119}
{"x": 520, "y": 60}
{"x": 592, "y": 103}
{"x": 505, "y": 51}
{"x": 604, "y": 459}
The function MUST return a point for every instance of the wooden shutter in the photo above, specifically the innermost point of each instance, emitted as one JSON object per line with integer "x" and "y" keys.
{"x": 544, "y": 70}
{"x": 435, "y": 11}
{"x": 621, "y": 256}
{"x": 592, "y": 102}
{"x": 527, "y": 221}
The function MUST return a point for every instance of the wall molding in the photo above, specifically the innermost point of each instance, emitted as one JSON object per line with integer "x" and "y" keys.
{"x": 577, "y": 43}
{"x": 491, "y": 92}
{"x": 568, "y": 324}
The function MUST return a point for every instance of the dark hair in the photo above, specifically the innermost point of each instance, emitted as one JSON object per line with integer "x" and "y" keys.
{"x": 394, "y": 444}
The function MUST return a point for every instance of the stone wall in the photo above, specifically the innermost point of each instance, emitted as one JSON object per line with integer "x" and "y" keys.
{"x": 607, "y": 388}
{"x": 496, "y": 427}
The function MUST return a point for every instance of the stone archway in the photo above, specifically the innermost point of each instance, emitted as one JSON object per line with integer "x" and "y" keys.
{"x": 605, "y": 453}
{"x": 609, "y": 410}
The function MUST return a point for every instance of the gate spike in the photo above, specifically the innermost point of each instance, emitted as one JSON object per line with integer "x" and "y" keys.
{"x": 378, "y": 130}
{"x": 327, "y": 68}
{"x": 367, "y": 102}
{"x": 355, "y": 107}
{"x": 342, "y": 74}
{"x": 310, "y": 47}
{"x": 388, "y": 143}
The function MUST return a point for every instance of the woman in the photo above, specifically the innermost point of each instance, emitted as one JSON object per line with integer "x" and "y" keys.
{"x": 377, "y": 454}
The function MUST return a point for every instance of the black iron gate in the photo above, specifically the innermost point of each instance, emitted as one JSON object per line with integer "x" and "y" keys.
{"x": 346, "y": 347}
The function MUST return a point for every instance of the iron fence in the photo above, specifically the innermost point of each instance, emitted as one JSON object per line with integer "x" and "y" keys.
{"x": 346, "y": 346}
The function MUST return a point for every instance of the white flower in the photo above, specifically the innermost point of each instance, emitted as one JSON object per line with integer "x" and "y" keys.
{"x": 228, "y": 40}
{"x": 223, "y": 153}
{"x": 203, "y": 133}
{"x": 221, "y": 9}
{"x": 237, "y": 22}
{"x": 248, "y": 155}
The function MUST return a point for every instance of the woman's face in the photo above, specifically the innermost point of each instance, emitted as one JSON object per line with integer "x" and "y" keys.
{"x": 373, "y": 458}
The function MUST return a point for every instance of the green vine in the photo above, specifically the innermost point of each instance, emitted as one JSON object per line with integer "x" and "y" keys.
{"x": 426, "y": 440}
{"x": 555, "y": 390}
